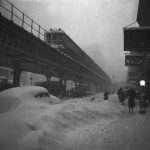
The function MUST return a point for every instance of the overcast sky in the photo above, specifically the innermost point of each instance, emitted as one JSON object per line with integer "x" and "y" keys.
{"x": 90, "y": 23}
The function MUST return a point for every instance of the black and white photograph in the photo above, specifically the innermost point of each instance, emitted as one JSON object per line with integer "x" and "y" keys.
{"x": 74, "y": 74}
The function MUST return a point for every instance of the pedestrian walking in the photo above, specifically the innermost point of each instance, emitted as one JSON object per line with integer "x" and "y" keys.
{"x": 106, "y": 95}
{"x": 142, "y": 101}
{"x": 131, "y": 99}
{"x": 121, "y": 95}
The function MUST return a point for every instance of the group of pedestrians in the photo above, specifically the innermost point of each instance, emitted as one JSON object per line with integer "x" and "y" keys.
{"x": 131, "y": 95}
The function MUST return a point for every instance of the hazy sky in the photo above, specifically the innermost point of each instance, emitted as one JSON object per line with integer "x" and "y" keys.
{"x": 88, "y": 23}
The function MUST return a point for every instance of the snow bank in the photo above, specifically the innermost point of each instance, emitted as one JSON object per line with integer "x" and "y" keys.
{"x": 28, "y": 124}
{"x": 7, "y": 103}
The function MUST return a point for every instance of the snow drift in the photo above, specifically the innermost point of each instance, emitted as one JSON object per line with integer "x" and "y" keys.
{"x": 31, "y": 124}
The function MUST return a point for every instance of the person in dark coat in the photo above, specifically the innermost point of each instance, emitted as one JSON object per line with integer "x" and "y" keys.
{"x": 131, "y": 99}
{"x": 121, "y": 95}
{"x": 106, "y": 95}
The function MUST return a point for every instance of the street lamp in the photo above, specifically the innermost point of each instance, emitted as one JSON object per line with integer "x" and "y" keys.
{"x": 142, "y": 83}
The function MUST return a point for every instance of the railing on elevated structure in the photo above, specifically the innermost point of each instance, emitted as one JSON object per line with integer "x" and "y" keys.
{"x": 11, "y": 12}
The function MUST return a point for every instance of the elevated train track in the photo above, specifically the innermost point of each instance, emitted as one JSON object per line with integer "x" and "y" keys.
{"x": 22, "y": 50}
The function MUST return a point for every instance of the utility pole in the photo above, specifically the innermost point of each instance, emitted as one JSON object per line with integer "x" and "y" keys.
{"x": 31, "y": 78}
{"x": 113, "y": 77}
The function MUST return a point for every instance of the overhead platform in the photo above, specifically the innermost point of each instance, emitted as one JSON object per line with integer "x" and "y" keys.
{"x": 24, "y": 50}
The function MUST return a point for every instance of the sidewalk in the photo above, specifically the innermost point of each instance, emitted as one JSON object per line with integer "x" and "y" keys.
{"x": 128, "y": 132}
{"x": 123, "y": 132}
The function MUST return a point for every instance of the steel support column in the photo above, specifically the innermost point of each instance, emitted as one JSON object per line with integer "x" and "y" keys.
{"x": 65, "y": 81}
{"x": 16, "y": 73}
{"x": 61, "y": 83}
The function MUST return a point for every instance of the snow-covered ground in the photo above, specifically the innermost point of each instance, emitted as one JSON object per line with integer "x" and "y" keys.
{"x": 78, "y": 124}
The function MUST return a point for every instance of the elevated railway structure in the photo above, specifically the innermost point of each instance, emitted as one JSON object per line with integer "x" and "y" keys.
{"x": 25, "y": 45}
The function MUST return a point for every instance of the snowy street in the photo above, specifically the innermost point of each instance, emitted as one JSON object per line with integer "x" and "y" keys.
{"x": 67, "y": 68}
{"x": 89, "y": 123}
{"x": 116, "y": 130}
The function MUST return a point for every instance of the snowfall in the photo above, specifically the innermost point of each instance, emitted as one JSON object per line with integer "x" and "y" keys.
{"x": 88, "y": 123}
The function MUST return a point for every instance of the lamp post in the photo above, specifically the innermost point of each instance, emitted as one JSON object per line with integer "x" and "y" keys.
{"x": 142, "y": 100}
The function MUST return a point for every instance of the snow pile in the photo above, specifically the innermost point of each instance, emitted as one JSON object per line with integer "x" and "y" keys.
{"x": 54, "y": 100}
{"x": 7, "y": 103}
{"x": 30, "y": 124}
